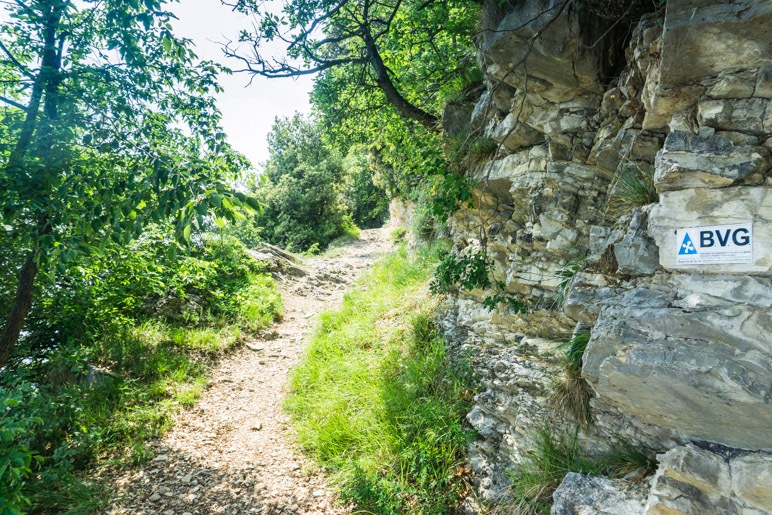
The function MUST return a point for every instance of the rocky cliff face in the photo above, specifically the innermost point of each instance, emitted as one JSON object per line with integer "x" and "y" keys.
{"x": 680, "y": 355}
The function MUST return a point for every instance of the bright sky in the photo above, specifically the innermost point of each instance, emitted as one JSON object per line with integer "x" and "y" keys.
{"x": 248, "y": 111}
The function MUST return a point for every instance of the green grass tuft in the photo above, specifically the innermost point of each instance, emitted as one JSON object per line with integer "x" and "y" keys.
{"x": 377, "y": 400}
{"x": 632, "y": 187}
{"x": 554, "y": 456}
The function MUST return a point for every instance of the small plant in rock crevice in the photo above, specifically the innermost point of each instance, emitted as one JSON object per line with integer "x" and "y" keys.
{"x": 556, "y": 454}
{"x": 571, "y": 393}
{"x": 632, "y": 186}
{"x": 566, "y": 275}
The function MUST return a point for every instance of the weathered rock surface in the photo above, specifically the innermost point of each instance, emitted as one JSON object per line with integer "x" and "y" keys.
{"x": 691, "y": 479}
{"x": 691, "y": 161}
{"x": 650, "y": 361}
{"x": 580, "y": 494}
{"x": 680, "y": 359}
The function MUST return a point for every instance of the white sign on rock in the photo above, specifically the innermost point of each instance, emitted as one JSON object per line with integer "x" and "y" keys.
{"x": 715, "y": 244}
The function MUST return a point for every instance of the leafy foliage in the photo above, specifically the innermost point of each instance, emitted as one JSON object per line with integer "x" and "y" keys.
{"x": 15, "y": 457}
{"x": 367, "y": 203}
{"x": 514, "y": 304}
{"x": 110, "y": 126}
{"x": 117, "y": 343}
{"x": 457, "y": 273}
{"x": 311, "y": 195}
{"x": 461, "y": 272}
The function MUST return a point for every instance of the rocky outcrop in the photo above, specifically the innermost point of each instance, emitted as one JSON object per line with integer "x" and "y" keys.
{"x": 597, "y": 495}
{"x": 608, "y": 156}
{"x": 691, "y": 479}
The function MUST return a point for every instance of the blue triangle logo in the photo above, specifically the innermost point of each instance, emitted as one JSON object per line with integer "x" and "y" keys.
{"x": 687, "y": 247}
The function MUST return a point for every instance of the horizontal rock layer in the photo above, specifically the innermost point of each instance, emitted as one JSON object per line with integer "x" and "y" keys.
{"x": 680, "y": 357}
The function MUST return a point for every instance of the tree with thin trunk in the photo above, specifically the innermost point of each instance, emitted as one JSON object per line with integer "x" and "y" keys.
{"x": 107, "y": 124}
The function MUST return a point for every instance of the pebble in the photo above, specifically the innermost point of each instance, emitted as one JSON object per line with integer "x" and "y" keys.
{"x": 175, "y": 480}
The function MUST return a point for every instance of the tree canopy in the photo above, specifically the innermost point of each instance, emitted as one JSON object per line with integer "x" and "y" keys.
{"x": 108, "y": 124}
{"x": 302, "y": 186}
{"x": 404, "y": 49}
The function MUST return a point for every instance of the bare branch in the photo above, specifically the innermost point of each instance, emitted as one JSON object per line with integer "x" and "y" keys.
{"x": 13, "y": 103}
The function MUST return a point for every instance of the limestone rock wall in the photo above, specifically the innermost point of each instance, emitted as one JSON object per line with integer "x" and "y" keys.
{"x": 680, "y": 356}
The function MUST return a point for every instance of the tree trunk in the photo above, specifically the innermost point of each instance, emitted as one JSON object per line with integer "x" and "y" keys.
{"x": 45, "y": 89}
{"x": 21, "y": 306}
{"x": 405, "y": 108}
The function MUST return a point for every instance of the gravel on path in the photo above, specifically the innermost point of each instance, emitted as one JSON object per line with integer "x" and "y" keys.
{"x": 233, "y": 452}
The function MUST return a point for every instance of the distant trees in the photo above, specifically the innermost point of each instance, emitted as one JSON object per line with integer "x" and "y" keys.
{"x": 302, "y": 187}
{"x": 310, "y": 194}
{"x": 107, "y": 124}
{"x": 385, "y": 70}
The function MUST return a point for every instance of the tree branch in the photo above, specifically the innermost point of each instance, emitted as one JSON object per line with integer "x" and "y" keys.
{"x": 23, "y": 69}
{"x": 405, "y": 108}
{"x": 13, "y": 104}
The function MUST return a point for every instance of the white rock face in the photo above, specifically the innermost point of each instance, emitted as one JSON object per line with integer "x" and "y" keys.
{"x": 680, "y": 358}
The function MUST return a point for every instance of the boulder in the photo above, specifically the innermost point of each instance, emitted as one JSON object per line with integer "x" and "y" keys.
{"x": 580, "y": 494}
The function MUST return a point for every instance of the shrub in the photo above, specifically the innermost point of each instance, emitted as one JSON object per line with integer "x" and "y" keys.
{"x": 461, "y": 272}
{"x": 15, "y": 457}
{"x": 116, "y": 344}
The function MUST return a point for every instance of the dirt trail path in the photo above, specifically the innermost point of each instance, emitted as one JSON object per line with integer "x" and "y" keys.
{"x": 233, "y": 452}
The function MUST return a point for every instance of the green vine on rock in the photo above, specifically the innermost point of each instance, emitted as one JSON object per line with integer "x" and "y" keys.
{"x": 457, "y": 273}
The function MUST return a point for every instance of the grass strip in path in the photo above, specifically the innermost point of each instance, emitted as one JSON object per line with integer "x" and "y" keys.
{"x": 378, "y": 401}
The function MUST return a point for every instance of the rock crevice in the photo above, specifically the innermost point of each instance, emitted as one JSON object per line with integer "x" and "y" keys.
{"x": 603, "y": 175}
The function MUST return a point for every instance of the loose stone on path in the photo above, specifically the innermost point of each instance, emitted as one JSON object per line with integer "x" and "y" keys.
{"x": 233, "y": 453}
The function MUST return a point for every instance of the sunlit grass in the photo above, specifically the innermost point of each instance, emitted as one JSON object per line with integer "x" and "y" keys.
{"x": 117, "y": 392}
{"x": 377, "y": 401}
